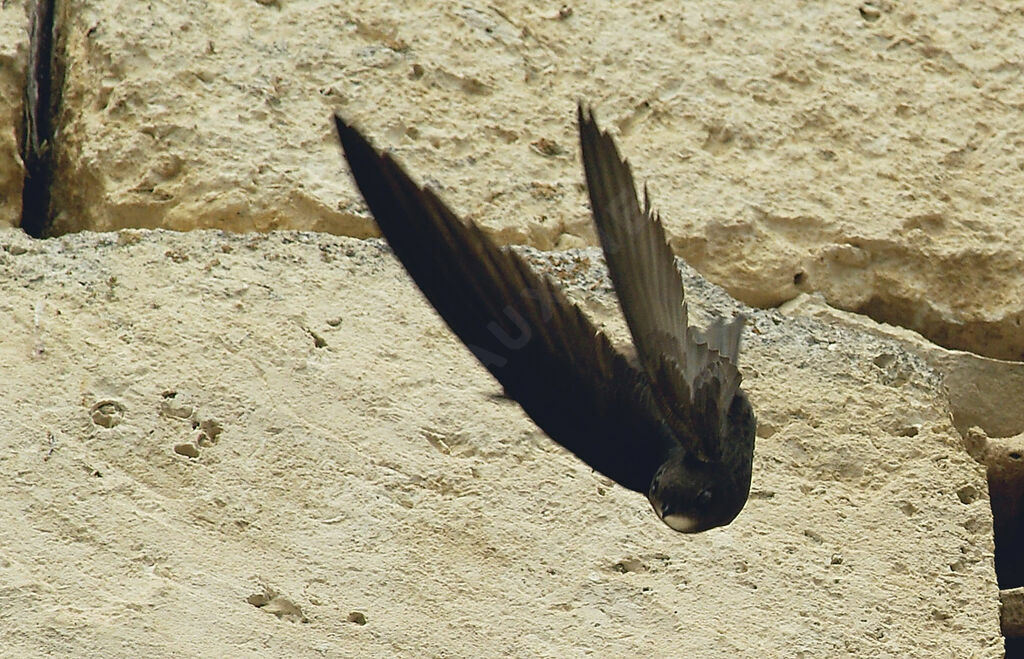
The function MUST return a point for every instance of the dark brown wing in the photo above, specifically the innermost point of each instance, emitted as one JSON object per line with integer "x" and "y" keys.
{"x": 695, "y": 382}
{"x": 541, "y": 348}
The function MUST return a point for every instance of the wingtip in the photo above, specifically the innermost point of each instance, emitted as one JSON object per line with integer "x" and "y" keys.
{"x": 581, "y": 109}
{"x": 585, "y": 119}
{"x": 591, "y": 134}
{"x": 352, "y": 141}
{"x": 341, "y": 126}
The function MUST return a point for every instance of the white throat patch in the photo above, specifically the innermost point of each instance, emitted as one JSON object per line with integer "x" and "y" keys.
{"x": 681, "y": 523}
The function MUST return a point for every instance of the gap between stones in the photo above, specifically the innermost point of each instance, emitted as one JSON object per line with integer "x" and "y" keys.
{"x": 41, "y": 100}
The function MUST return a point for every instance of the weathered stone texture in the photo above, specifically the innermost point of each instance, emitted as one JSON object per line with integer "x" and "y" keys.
{"x": 870, "y": 153}
{"x": 213, "y": 438}
{"x": 13, "y": 61}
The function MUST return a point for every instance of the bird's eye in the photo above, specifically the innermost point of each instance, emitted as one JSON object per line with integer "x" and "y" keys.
{"x": 704, "y": 497}
{"x": 655, "y": 483}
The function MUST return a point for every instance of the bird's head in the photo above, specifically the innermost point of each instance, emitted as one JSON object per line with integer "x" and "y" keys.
{"x": 693, "y": 496}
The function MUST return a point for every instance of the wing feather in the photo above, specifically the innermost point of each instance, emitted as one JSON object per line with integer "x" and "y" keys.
{"x": 695, "y": 377}
{"x": 542, "y": 349}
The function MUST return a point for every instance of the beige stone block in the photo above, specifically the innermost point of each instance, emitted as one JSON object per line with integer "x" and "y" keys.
{"x": 1012, "y": 612}
{"x": 982, "y": 392}
{"x": 14, "y": 24}
{"x": 871, "y": 154}
{"x": 224, "y": 445}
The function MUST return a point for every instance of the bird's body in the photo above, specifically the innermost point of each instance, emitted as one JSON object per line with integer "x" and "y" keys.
{"x": 674, "y": 425}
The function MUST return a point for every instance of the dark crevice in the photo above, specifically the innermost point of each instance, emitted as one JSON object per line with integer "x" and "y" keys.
{"x": 1004, "y": 462}
{"x": 1006, "y": 492}
{"x": 998, "y": 339}
{"x": 40, "y": 107}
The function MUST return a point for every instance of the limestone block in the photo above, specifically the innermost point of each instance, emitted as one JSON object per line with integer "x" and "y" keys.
{"x": 269, "y": 444}
{"x": 1013, "y": 612}
{"x": 985, "y": 402}
{"x": 870, "y": 153}
{"x": 14, "y": 24}
{"x": 982, "y": 392}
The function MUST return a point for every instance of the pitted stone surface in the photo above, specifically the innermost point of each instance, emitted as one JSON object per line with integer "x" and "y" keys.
{"x": 203, "y": 429}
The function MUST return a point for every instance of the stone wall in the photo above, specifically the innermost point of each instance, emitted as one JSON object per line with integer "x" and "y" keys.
{"x": 869, "y": 153}
{"x": 227, "y": 445}
{"x": 838, "y": 156}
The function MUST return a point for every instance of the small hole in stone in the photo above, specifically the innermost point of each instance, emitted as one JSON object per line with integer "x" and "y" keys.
{"x": 968, "y": 494}
{"x": 107, "y": 413}
{"x": 187, "y": 449}
{"x": 799, "y": 278}
{"x": 884, "y": 360}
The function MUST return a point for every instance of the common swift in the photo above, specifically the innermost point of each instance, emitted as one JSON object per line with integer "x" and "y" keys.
{"x": 671, "y": 423}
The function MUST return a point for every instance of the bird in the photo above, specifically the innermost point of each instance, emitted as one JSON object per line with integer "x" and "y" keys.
{"x": 671, "y": 421}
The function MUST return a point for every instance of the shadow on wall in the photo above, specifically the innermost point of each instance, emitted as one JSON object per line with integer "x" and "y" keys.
{"x": 1004, "y": 462}
{"x": 42, "y": 99}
